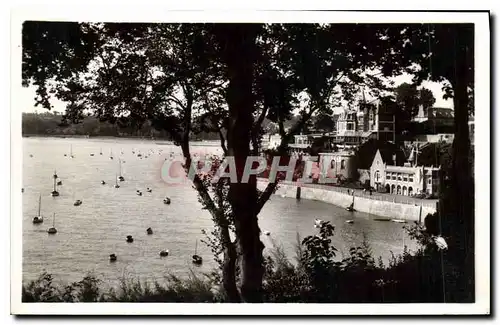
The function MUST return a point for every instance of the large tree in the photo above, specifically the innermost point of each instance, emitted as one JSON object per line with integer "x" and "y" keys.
{"x": 407, "y": 98}
{"x": 426, "y": 98}
{"x": 445, "y": 53}
{"x": 324, "y": 122}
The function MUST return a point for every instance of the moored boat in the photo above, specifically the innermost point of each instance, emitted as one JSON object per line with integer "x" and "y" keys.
{"x": 196, "y": 259}
{"x": 38, "y": 218}
{"x": 53, "y": 230}
{"x": 55, "y": 192}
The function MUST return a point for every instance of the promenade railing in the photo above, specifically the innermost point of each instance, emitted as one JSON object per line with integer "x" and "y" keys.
{"x": 366, "y": 194}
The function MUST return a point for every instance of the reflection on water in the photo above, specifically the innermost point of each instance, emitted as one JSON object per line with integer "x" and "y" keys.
{"x": 88, "y": 233}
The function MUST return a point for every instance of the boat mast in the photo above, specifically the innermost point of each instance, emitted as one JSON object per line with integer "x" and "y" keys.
{"x": 195, "y": 247}
{"x": 39, "y": 204}
{"x": 120, "y": 166}
{"x": 54, "y": 220}
{"x": 55, "y": 179}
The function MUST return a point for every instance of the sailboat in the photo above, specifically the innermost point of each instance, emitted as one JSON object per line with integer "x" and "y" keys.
{"x": 100, "y": 152}
{"x": 116, "y": 182}
{"x": 39, "y": 218}
{"x": 55, "y": 192}
{"x": 71, "y": 151}
{"x": 197, "y": 258}
{"x": 120, "y": 178}
{"x": 53, "y": 230}
{"x": 110, "y": 153}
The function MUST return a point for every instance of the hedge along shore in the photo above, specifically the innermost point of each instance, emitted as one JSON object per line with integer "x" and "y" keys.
{"x": 377, "y": 206}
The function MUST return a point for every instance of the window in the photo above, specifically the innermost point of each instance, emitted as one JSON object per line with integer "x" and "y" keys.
{"x": 332, "y": 164}
{"x": 399, "y": 176}
{"x": 410, "y": 179}
{"x": 342, "y": 164}
{"x": 393, "y": 176}
{"x": 387, "y": 176}
{"x": 405, "y": 177}
{"x": 429, "y": 181}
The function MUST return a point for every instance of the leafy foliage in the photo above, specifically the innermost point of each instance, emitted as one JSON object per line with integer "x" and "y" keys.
{"x": 318, "y": 253}
{"x": 409, "y": 99}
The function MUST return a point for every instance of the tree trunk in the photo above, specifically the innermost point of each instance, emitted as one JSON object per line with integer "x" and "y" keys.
{"x": 229, "y": 267}
{"x": 238, "y": 42}
{"x": 462, "y": 184}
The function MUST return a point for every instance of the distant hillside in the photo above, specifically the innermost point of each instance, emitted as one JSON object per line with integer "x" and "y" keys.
{"x": 50, "y": 124}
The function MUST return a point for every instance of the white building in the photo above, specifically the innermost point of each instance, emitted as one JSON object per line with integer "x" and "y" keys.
{"x": 403, "y": 180}
{"x": 338, "y": 164}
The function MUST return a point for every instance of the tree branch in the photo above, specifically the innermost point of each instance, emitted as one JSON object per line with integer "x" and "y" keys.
{"x": 271, "y": 187}
{"x": 184, "y": 142}
{"x": 177, "y": 101}
{"x": 222, "y": 141}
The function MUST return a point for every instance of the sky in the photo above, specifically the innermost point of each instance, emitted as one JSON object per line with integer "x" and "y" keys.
{"x": 28, "y": 103}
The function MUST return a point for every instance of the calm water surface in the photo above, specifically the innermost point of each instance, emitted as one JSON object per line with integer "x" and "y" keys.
{"x": 87, "y": 234}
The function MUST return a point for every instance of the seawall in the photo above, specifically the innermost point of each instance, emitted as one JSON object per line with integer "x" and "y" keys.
{"x": 376, "y": 207}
